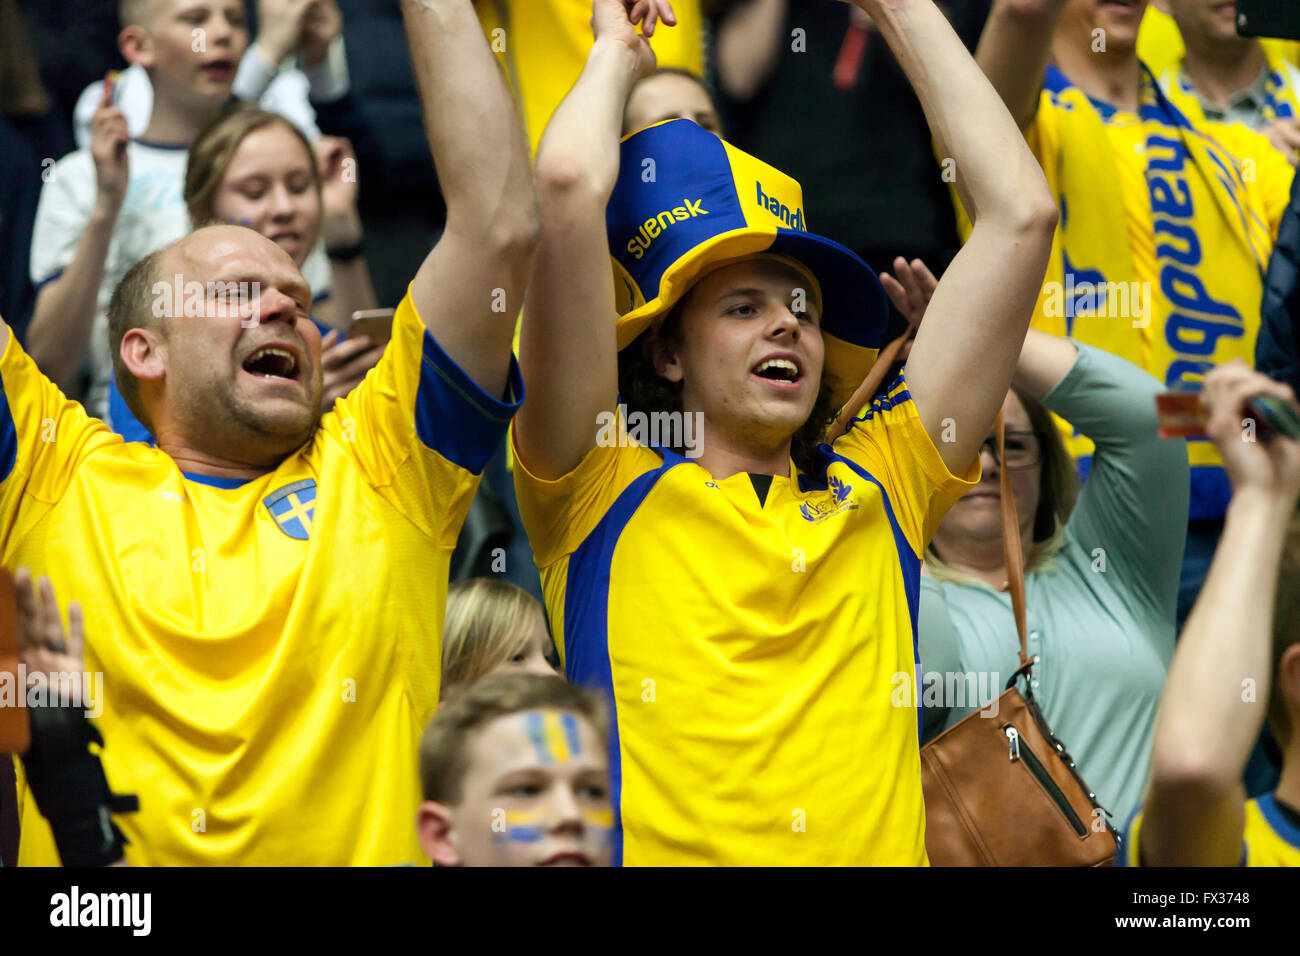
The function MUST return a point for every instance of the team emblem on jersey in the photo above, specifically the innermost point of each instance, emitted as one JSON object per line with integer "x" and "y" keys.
{"x": 838, "y": 497}
{"x": 293, "y": 507}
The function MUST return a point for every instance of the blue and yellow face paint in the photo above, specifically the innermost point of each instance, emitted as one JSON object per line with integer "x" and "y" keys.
{"x": 525, "y": 826}
{"x": 531, "y": 826}
{"x": 600, "y": 822}
{"x": 554, "y": 736}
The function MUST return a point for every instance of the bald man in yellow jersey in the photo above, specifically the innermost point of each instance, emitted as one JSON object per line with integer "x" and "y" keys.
{"x": 264, "y": 589}
{"x": 1238, "y": 661}
{"x": 542, "y": 45}
{"x": 744, "y": 594}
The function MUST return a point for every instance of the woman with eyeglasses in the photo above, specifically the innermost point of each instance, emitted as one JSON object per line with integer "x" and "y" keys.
{"x": 1101, "y": 561}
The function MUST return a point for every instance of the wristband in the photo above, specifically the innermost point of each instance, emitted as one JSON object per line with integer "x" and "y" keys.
{"x": 346, "y": 253}
{"x": 68, "y": 783}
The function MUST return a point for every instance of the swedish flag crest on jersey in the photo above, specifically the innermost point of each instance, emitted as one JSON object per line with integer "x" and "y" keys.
{"x": 293, "y": 507}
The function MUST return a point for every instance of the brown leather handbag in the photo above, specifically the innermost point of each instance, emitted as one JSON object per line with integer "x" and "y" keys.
{"x": 1002, "y": 790}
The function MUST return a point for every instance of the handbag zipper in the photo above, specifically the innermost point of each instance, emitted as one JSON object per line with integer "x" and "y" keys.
{"x": 1044, "y": 779}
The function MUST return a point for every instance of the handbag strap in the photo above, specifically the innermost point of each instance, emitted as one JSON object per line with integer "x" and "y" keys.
{"x": 875, "y": 375}
{"x": 1012, "y": 554}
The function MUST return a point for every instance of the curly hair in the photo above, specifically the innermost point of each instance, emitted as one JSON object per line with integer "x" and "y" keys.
{"x": 642, "y": 389}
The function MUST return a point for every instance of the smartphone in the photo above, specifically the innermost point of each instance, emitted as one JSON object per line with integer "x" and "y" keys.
{"x": 1180, "y": 415}
{"x": 374, "y": 324}
{"x": 1275, "y": 416}
{"x": 1269, "y": 18}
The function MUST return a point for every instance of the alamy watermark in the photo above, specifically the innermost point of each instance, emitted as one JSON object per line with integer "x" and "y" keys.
{"x": 1104, "y": 300}
{"x": 684, "y": 430}
{"x": 214, "y": 300}
{"x": 953, "y": 689}
{"x": 23, "y": 688}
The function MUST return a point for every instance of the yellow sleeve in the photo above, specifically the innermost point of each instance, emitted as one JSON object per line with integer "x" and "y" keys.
{"x": 420, "y": 429}
{"x": 889, "y": 442}
{"x": 1129, "y": 855}
{"x": 558, "y": 515}
{"x": 1131, "y": 848}
{"x": 44, "y": 437}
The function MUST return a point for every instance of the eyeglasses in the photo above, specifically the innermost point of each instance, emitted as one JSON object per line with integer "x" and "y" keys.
{"x": 1023, "y": 448}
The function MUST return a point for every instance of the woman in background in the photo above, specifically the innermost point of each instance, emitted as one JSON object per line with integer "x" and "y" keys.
{"x": 255, "y": 168}
{"x": 1101, "y": 572}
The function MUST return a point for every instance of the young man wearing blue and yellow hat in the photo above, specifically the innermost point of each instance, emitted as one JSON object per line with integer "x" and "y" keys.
{"x": 749, "y": 607}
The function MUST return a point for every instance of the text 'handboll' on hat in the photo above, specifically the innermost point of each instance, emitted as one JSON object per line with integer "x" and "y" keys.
{"x": 686, "y": 201}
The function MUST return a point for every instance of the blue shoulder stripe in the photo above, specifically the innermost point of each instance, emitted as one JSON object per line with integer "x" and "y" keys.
{"x": 454, "y": 416}
{"x": 586, "y": 620}
{"x": 8, "y": 434}
{"x": 1284, "y": 828}
{"x": 883, "y": 403}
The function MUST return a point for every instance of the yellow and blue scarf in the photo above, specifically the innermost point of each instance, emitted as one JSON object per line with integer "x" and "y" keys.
{"x": 1200, "y": 307}
{"x": 1281, "y": 97}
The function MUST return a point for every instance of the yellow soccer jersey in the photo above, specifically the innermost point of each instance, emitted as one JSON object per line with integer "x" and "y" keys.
{"x": 1160, "y": 44}
{"x": 1151, "y": 235}
{"x": 543, "y": 45}
{"x": 1270, "y": 839}
{"x": 759, "y": 649}
{"x": 270, "y": 648}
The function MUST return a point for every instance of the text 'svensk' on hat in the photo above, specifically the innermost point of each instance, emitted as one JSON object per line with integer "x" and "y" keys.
{"x": 685, "y": 201}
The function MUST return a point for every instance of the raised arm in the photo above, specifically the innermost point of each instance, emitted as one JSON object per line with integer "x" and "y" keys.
{"x": 1045, "y": 359}
{"x": 1014, "y": 49}
{"x": 961, "y": 364}
{"x": 469, "y": 289}
{"x": 568, "y": 346}
{"x": 749, "y": 41}
{"x": 58, "y": 335}
{"x": 1194, "y": 813}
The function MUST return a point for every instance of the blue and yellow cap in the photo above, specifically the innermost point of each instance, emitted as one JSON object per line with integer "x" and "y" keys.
{"x": 686, "y": 203}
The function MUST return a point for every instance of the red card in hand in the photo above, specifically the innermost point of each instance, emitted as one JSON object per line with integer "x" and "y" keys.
{"x": 1179, "y": 414}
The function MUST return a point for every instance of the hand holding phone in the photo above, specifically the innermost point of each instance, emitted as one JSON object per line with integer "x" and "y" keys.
{"x": 374, "y": 324}
{"x": 1181, "y": 415}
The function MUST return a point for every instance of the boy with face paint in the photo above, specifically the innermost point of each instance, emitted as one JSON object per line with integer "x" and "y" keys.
{"x": 514, "y": 773}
